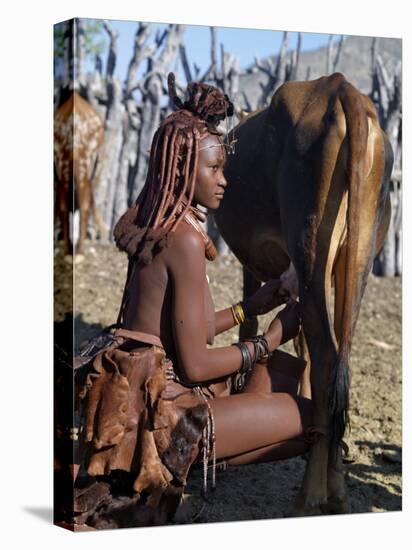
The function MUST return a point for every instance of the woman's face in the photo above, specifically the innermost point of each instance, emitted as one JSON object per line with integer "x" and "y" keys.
{"x": 210, "y": 181}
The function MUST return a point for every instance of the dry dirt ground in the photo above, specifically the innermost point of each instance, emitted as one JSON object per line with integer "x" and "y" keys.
{"x": 267, "y": 490}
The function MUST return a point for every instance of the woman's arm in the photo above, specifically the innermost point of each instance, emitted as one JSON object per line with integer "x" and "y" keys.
{"x": 270, "y": 295}
{"x": 223, "y": 320}
{"x": 186, "y": 267}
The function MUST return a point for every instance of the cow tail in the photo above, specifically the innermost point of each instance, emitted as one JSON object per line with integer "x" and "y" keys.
{"x": 356, "y": 134}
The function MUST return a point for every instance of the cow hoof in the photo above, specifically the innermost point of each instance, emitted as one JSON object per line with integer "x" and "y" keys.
{"x": 338, "y": 505}
{"x": 104, "y": 234}
{"x": 308, "y": 511}
{"x": 301, "y": 508}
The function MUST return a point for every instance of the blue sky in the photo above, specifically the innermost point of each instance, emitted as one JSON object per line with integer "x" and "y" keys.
{"x": 244, "y": 43}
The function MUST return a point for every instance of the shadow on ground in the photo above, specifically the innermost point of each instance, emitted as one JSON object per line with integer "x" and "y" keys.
{"x": 377, "y": 494}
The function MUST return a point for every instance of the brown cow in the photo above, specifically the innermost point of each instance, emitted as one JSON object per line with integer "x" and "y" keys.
{"x": 78, "y": 139}
{"x": 308, "y": 190}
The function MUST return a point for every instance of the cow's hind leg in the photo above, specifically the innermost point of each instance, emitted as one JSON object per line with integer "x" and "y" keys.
{"x": 83, "y": 197}
{"x": 338, "y": 501}
{"x": 102, "y": 230}
{"x": 313, "y": 497}
{"x": 64, "y": 213}
{"x": 99, "y": 224}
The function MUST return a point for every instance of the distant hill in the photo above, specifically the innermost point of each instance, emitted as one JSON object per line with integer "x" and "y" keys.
{"x": 354, "y": 63}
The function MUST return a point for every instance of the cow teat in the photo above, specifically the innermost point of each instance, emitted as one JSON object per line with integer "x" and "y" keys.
{"x": 290, "y": 282}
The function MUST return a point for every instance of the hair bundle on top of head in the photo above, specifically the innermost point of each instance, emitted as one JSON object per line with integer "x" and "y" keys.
{"x": 170, "y": 182}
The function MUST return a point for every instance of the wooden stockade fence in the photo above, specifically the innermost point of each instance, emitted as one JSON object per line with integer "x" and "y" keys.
{"x": 389, "y": 262}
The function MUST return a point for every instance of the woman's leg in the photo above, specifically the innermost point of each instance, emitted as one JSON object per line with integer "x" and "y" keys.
{"x": 280, "y": 373}
{"x": 251, "y": 421}
{"x": 269, "y": 453}
{"x": 267, "y": 420}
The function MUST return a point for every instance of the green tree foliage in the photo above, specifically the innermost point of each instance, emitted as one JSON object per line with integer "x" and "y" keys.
{"x": 59, "y": 40}
{"x": 94, "y": 39}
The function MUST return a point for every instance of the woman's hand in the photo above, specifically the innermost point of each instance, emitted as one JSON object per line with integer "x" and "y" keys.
{"x": 289, "y": 320}
{"x": 270, "y": 295}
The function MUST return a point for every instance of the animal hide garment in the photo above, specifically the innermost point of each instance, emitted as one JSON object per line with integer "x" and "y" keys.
{"x": 137, "y": 420}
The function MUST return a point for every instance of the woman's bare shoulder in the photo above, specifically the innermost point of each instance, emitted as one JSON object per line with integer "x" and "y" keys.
{"x": 186, "y": 239}
{"x": 185, "y": 246}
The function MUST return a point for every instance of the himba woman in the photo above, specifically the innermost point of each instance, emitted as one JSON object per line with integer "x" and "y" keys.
{"x": 191, "y": 403}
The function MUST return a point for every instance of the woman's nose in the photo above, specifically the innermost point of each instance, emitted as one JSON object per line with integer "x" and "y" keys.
{"x": 223, "y": 181}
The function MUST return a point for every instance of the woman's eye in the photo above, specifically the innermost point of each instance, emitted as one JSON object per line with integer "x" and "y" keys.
{"x": 214, "y": 168}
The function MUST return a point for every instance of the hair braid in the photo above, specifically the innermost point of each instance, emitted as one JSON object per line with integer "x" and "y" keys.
{"x": 167, "y": 192}
{"x": 170, "y": 183}
{"x": 150, "y": 186}
{"x": 188, "y": 153}
{"x": 191, "y": 176}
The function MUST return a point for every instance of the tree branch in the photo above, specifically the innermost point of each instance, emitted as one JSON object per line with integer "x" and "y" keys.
{"x": 213, "y": 51}
{"x": 329, "y": 53}
{"x": 185, "y": 63}
{"x": 112, "y": 55}
{"x": 338, "y": 53}
{"x": 140, "y": 52}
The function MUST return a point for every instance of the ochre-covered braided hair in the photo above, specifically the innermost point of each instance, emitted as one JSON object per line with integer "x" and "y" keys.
{"x": 170, "y": 184}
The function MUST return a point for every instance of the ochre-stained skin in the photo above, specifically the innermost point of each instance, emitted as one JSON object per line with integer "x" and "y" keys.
{"x": 308, "y": 184}
{"x": 78, "y": 140}
{"x": 170, "y": 298}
